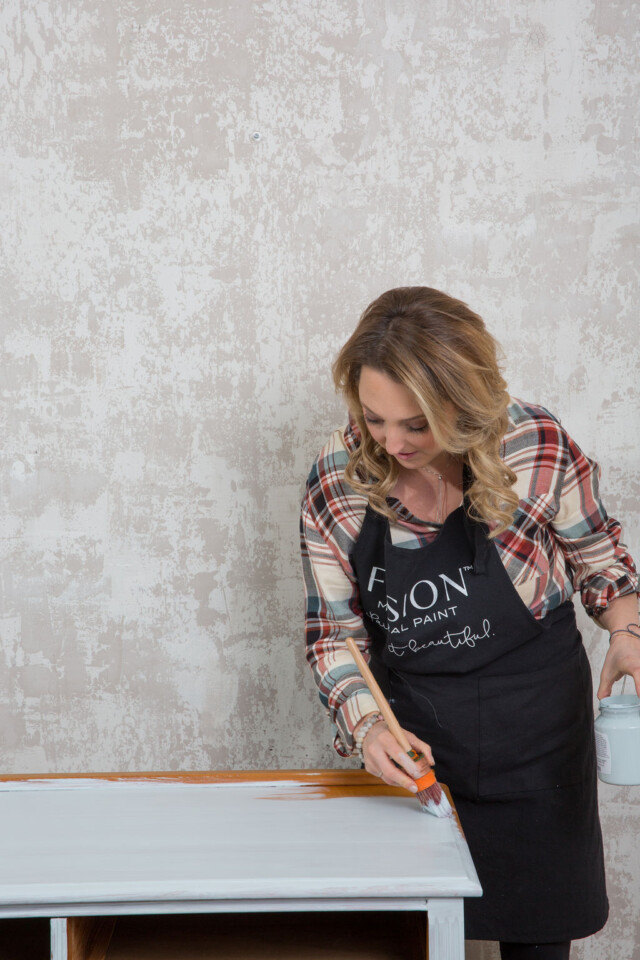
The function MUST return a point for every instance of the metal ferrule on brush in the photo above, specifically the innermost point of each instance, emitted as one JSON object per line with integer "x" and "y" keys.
{"x": 426, "y": 779}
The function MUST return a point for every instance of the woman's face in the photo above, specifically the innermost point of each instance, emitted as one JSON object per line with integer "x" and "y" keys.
{"x": 395, "y": 421}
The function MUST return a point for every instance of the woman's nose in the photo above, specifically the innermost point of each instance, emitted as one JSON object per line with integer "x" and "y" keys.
{"x": 394, "y": 441}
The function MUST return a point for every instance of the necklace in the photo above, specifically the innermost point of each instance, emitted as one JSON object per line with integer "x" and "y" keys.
{"x": 414, "y": 496}
{"x": 441, "y": 498}
{"x": 441, "y": 503}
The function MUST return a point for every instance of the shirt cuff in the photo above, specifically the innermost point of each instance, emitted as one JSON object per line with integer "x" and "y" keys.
{"x": 596, "y": 602}
{"x": 348, "y": 716}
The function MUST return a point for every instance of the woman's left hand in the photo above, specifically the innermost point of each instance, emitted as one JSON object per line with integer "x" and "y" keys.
{"x": 623, "y": 657}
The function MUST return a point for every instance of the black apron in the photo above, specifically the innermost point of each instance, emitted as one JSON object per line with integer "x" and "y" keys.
{"x": 505, "y": 702}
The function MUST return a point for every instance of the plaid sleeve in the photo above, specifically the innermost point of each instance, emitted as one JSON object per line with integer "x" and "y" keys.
{"x": 601, "y": 567}
{"x": 330, "y": 522}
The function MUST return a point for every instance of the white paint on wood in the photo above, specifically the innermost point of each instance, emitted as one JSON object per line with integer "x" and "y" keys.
{"x": 96, "y": 847}
{"x": 58, "y": 934}
{"x": 446, "y": 929}
{"x": 133, "y": 781}
{"x": 141, "y": 842}
{"x": 110, "y": 908}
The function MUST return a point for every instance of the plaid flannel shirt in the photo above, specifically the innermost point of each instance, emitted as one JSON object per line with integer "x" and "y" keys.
{"x": 560, "y": 541}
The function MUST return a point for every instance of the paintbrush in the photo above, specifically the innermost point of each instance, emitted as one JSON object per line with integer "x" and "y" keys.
{"x": 430, "y": 793}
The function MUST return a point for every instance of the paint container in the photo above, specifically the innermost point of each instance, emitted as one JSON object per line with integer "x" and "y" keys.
{"x": 618, "y": 739}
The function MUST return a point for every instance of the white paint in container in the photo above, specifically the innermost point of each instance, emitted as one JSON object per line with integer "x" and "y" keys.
{"x": 618, "y": 739}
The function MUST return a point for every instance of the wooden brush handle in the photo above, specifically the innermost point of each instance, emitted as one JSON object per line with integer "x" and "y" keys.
{"x": 379, "y": 697}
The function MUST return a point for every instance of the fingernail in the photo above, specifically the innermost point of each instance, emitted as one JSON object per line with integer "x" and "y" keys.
{"x": 413, "y": 788}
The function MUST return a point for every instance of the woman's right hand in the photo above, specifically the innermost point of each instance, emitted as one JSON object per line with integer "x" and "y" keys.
{"x": 384, "y": 757}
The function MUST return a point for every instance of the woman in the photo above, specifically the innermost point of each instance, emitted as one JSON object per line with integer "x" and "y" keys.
{"x": 446, "y": 529}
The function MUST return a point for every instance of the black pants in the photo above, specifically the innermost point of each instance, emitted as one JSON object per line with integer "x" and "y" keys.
{"x": 535, "y": 951}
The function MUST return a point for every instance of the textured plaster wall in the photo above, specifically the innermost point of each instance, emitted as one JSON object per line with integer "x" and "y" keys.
{"x": 197, "y": 201}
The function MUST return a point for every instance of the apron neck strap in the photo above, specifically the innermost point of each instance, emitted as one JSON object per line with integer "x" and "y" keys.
{"x": 476, "y": 530}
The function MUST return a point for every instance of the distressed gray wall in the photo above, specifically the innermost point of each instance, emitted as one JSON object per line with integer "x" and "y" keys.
{"x": 198, "y": 199}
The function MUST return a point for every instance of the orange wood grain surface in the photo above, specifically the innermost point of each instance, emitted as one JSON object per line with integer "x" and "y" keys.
{"x": 330, "y": 778}
{"x": 88, "y": 938}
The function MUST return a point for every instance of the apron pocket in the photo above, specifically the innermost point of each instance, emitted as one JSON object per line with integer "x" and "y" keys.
{"x": 536, "y": 728}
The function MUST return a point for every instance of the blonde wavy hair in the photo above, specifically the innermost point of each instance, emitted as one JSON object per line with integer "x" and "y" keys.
{"x": 443, "y": 354}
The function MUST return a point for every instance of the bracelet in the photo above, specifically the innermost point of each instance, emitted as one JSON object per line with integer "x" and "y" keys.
{"x": 363, "y": 730}
{"x": 630, "y": 628}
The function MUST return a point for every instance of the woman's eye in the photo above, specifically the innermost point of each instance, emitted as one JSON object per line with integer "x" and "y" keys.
{"x": 376, "y": 422}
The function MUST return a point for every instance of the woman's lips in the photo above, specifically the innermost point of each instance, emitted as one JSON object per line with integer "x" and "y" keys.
{"x": 406, "y": 456}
